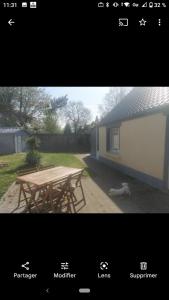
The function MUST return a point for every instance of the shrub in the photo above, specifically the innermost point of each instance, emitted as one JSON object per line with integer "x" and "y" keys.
{"x": 33, "y": 158}
{"x": 33, "y": 142}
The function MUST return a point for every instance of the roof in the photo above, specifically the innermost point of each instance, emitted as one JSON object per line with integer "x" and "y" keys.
{"x": 9, "y": 130}
{"x": 140, "y": 101}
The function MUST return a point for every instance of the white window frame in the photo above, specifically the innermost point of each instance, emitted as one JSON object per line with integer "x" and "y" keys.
{"x": 115, "y": 132}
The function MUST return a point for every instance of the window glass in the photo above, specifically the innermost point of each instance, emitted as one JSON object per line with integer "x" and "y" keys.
{"x": 115, "y": 139}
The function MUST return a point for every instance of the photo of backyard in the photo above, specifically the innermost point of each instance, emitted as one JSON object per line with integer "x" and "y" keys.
{"x": 84, "y": 150}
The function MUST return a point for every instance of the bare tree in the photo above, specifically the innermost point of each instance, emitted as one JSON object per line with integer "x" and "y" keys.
{"x": 112, "y": 98}
{"x": 77, "y": 115}
{"x": 57, "y": 103}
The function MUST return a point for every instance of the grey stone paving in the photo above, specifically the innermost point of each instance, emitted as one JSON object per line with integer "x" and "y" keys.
{"x": 144, "y": 199}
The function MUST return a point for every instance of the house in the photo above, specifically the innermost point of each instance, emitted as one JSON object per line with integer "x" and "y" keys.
{"x": 134, "y": 137}
{"x": 12, "y": 140}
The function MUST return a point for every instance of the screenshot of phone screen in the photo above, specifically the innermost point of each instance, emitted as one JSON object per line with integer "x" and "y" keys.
{"x": 84, "y": 149}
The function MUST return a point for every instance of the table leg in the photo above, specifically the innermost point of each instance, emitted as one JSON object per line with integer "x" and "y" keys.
{"x": 20, "y": 192}
{"x": 51, "y": 198}
{"x": 82, "y": 191}
{"x": 44, "y": 195}
{"x": 33, "y": 199}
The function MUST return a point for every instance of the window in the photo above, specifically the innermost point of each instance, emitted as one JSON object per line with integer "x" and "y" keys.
{"x": 115, "y": 139}
{"x": 107, "y": 139}
{"x": 97, "y": 138}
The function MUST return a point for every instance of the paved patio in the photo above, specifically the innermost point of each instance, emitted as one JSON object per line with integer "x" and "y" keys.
{"x": 144, "y": 199}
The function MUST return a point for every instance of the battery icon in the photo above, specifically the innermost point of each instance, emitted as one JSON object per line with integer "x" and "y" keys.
{"x": 151, "y": 4}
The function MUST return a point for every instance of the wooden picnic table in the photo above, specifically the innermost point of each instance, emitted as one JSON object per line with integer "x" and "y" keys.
{"x": 42, "y": 179}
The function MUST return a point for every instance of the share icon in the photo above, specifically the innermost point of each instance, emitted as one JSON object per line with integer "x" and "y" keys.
{"x": 25, "y": 266}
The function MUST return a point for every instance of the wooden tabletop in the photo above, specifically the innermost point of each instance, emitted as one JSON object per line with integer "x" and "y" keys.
{"x": 46, "y": 176}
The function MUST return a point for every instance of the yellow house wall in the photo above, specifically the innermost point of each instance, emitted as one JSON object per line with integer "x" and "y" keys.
{"x": 142, "y": 144}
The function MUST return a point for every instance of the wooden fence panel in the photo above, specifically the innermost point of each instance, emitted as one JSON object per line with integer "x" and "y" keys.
{"x": 64, "y": 143}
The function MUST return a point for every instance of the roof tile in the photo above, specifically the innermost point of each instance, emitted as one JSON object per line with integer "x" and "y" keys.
{"x": 140, "y": 100}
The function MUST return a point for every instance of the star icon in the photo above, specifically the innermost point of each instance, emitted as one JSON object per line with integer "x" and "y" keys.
{"x": 142, "y": 22}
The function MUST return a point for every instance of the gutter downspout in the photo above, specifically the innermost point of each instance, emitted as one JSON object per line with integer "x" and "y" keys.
{"x": 166, "y": 155}
{"x": 97, "y": 131}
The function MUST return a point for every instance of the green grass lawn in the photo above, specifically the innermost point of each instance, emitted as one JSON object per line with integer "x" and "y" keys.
{"x": 17, "y": 162}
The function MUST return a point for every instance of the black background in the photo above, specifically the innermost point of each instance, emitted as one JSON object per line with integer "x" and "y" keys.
{"x": 68, "y": 47}
{"x": 73, "y": 43}
{"x": 84, "y": 240}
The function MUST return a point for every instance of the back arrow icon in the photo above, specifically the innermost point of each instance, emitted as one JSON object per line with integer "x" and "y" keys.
{"x": 10, "y": 22}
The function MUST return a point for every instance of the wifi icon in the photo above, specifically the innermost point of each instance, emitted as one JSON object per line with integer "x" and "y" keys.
{"x": 127, "y": 4}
